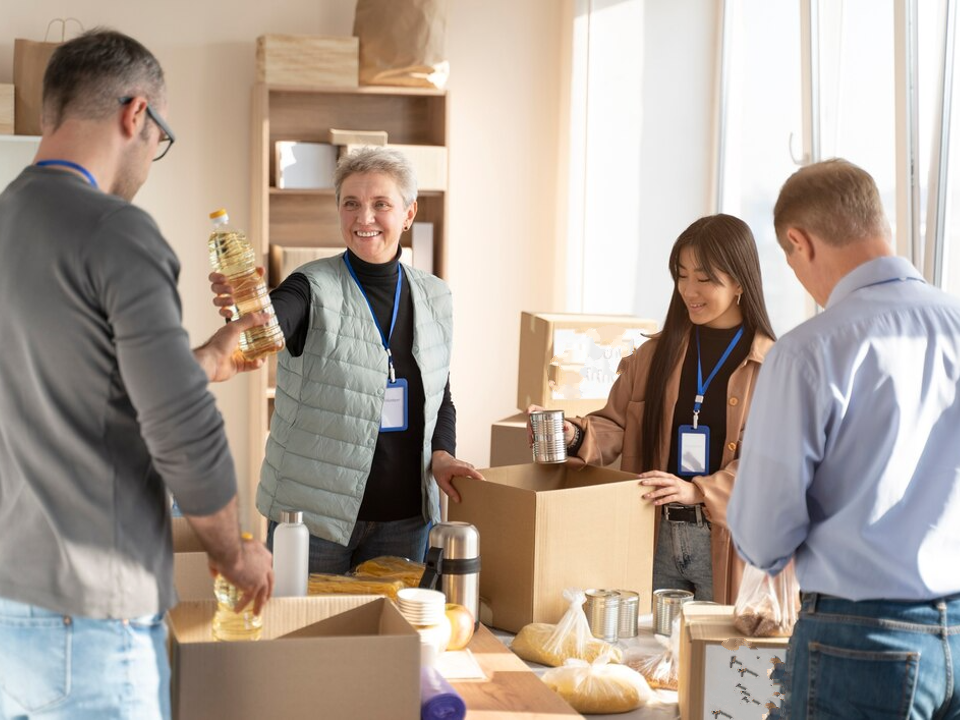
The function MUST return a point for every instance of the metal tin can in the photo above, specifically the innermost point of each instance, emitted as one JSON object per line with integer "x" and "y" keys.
{"x": 666, "y": 607}
{"x": 603, "y": 613}
{"x": 629, "y": 608}
{"x": 548, "y": 442}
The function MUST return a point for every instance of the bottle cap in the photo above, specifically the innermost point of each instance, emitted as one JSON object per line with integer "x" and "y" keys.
{"x": 219, "y": 215}
{"x": 291, "y": 516}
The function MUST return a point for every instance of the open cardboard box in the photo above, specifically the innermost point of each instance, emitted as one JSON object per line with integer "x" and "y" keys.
{"x": 721, "y": 670}
{"x": 342, "y": 657}
{"x": 544, "y": 528}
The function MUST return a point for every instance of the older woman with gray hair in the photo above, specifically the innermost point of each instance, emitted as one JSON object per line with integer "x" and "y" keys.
{"x": 363, "y": 434}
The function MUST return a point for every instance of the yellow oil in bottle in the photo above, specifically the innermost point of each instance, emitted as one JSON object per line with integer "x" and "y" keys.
{"x": 231, "y": 255}
{"x": 228, "y": 624}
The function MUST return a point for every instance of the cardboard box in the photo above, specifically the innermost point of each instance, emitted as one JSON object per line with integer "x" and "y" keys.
{"x": 191, "y": 576}
{"x": 336, "y": 136}
{"x": 569, "y": 362}
{"x": 339, "y": 658}
{"x": 7, "y": 116}
{"x": 304, "y": 165}
{"x": 184, "y": 538}
{"x": 429, "y": 162}
{"x": 308, "y": 60}
{"x": 544, "y": 528}
{"x": 719, "y": 667}
{"x": 285, "y": 259}
{"x": 509, "y": 446}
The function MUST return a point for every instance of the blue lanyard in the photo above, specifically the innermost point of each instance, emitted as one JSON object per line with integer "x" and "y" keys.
{"x": 74, "y": 166}
{"x": 701, "y": 385}
{"x": 393, "y": 320}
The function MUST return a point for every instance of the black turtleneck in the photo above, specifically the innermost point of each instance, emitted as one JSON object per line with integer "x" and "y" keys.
{"x": 713, "y": 411}
{"x": 393, "y": 490}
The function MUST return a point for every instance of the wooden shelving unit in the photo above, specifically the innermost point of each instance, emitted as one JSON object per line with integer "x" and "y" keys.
{"x": 309, "y": 218}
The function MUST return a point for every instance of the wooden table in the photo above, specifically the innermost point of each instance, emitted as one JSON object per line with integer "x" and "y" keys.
{"x": 512, "y": 691}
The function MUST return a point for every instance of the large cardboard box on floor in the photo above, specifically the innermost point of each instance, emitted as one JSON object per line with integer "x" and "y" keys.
{"x": 544, "y": 528}
{"x": 569, "y": 362}
{"x": 722, "y": 670}
{"x": 339, "y": 658}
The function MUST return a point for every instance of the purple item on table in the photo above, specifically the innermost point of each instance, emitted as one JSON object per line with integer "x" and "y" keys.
{"x": 438, "y": 700}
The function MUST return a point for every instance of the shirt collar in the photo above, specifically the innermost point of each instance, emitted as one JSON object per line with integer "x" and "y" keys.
{"x": 874, "y": 272}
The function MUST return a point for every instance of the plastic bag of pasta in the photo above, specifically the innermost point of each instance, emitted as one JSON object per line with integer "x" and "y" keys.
{"x": 660, "y": 670}
{"x": 323, "y": 584}
{"x": 392, "y": 568}
{"x": 599, "y": 688}
{"x": 767, "y": 606}
{"x": 570, "y": 638}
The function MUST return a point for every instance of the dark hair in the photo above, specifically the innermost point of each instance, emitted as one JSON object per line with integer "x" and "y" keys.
{"x": 719, "y": 243}
{"x": 834, "y": 199}
{"x": 87, "y": 76}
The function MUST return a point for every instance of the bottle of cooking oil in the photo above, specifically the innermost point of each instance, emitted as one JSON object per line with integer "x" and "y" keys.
{"x": 231, "y": 254}
{"x": 228, "y": 624}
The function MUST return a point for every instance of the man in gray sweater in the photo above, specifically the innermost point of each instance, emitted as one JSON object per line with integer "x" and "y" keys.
{"x": 103, "y": 405}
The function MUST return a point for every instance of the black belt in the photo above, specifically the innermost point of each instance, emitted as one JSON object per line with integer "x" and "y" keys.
{"x": 684, "y": 513}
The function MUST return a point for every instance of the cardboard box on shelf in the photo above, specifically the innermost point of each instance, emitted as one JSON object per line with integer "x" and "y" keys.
{"x": 304, "y": 165}
{"x": 336, "y": 136}
{"x": 569, "y": 362}
{"x": 544, "y": 528}
{"x": 332, "y": 657}
{"x": 719, "y": 667}
{"x": 429, "y": 162}
{"x": 308, "y": 60}
{"x": 284, "y": 259}
{"x": 7, "y": 116}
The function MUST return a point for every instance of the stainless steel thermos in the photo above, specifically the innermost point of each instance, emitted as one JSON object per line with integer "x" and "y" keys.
{"x": 453, "y": 564}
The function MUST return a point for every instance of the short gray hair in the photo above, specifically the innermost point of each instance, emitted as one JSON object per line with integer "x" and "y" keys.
{"x": 378, "y": 159}
{"x": 87, "y": 76}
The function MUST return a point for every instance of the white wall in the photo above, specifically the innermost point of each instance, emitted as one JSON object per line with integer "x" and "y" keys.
{"x": 503, "y": 129}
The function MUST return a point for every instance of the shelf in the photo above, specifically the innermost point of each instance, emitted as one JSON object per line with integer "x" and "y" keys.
{"x": 360, "y": 90}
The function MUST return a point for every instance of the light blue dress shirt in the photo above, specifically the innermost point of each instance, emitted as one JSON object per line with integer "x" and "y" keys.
{"x": 851, "y": 456}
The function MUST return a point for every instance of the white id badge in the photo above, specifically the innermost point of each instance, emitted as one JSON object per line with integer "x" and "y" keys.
{"x": 394, "y": 415}
{"x": 693, "y": 450}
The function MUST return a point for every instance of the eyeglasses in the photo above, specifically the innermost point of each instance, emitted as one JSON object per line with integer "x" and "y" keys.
{"x": 167, "y": 137}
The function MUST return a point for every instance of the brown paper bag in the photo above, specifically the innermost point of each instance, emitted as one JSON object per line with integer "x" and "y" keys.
{"x": 402, "y": 42}
{"x": 30, "y": 59}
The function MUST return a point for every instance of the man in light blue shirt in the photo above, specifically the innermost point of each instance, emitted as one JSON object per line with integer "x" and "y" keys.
{"x": 851, "y": 463}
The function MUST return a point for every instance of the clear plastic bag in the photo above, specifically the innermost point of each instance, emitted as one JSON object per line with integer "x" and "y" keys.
{"x": 568, "y": 639}
{"x": 767, "y": 606}
{"x": 662, "y": 670}
{"x": 599, "y": 687}
{"x": 389, "y": 567}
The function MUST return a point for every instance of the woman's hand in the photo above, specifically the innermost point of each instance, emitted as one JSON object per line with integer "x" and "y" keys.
{"x": 568, "y": 431}
{"x": 670, "y": 489}
{"x": 223, "y": 292}
{"x": 445, "y": 467}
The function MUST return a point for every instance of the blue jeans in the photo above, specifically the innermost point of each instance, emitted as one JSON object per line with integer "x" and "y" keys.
{"x": 874, "y": 659}
{"x": 402, "y": 538}
{"x": 682, "y": 560}
{"x": 74, "y": 668}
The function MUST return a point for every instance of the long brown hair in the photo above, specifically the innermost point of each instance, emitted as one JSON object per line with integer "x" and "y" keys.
{"x": 719, "y": 243}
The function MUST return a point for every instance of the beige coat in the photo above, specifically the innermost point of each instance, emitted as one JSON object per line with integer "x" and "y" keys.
{"x": 615, "y": 431}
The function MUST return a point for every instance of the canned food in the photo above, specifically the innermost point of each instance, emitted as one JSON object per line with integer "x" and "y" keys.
{"x": 666, "y": 607}
{"x": 548, "y": 442}
{"x": 603, "y": 613}
{"x": 629, "y": 608}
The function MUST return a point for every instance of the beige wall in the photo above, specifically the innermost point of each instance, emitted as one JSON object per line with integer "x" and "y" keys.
{"x": 503, "y": 127}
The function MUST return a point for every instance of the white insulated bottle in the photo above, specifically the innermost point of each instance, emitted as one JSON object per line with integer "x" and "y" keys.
{"x": 291, "y": 556}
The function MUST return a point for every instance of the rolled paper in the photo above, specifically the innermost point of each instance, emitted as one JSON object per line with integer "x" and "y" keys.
{"x": 438, "y": 700}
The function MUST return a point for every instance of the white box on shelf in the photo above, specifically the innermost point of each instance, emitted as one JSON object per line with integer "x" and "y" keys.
{"x": 337, "y": 136}
{"x": 422, "y": 242}
{"x": 305, "y": 165}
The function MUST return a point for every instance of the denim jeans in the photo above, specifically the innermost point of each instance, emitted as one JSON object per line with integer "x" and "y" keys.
{"x": 682, "y": 560}
{"x": 877, "y": 659}
{"x": 54, "y": 667}
{"x": 402, "y": 538}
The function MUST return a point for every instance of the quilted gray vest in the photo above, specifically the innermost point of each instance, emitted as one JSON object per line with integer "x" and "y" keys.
{"x": 326, "y": 416}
